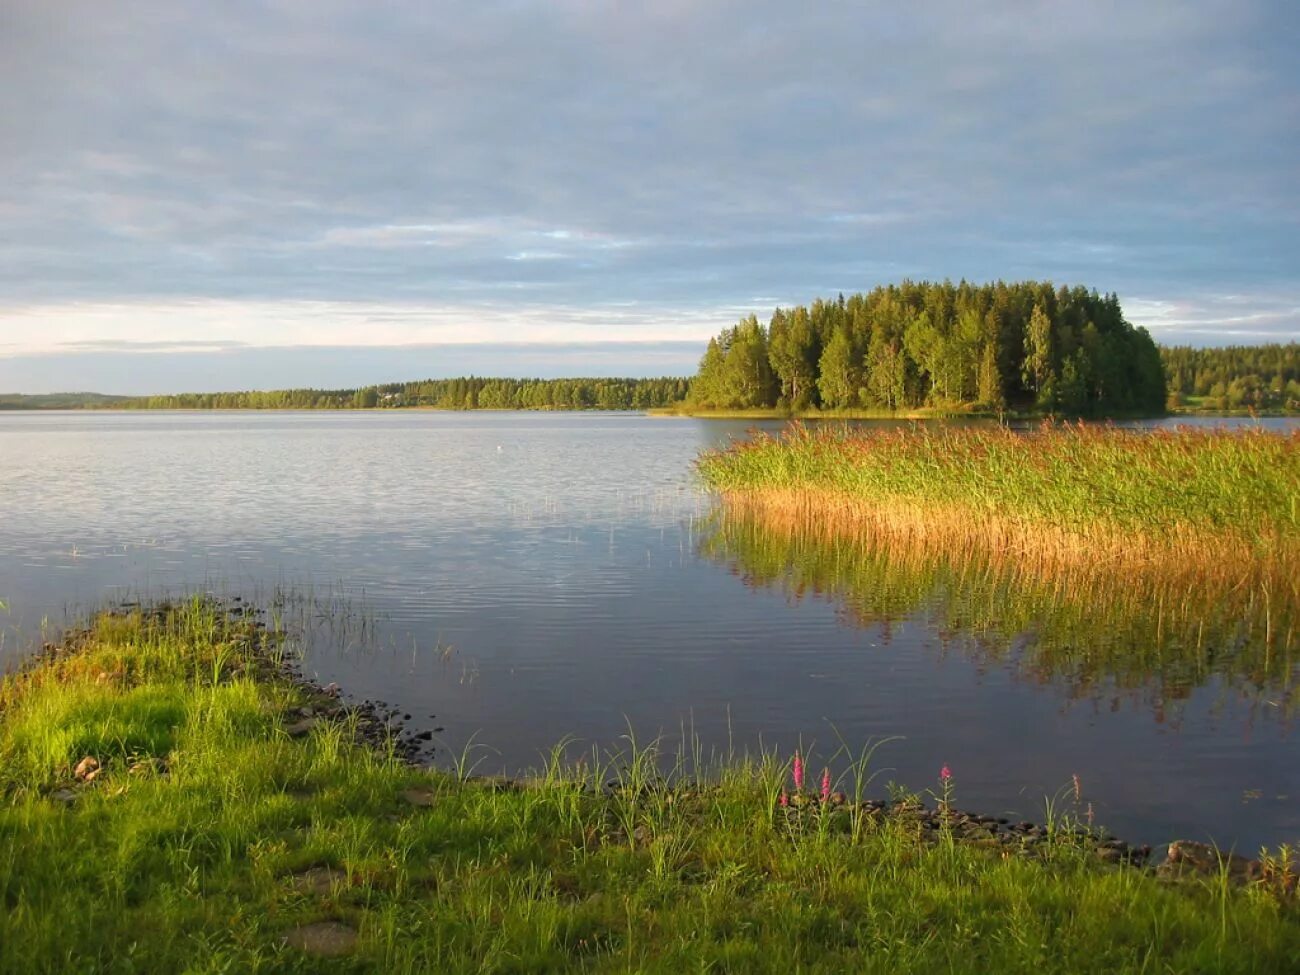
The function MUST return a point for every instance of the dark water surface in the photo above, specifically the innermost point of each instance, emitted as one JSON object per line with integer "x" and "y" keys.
{"x": 530, "y": 576}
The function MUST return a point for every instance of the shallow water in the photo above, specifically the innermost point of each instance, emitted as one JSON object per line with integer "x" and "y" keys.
{"x": 522, "y": 577}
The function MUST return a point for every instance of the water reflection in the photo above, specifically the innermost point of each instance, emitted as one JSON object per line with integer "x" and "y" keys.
{"x": 1148, "y": 638}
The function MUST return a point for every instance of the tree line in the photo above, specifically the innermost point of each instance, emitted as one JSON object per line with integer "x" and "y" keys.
{"x": 464, "y": 393}
{"x": 1259, "y": 377}
{"x": 996, "y": 346}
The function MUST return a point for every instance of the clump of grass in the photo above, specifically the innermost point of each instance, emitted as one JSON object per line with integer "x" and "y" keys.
{"x": 1213, "y": 511}
{"x": 211, "y": 834}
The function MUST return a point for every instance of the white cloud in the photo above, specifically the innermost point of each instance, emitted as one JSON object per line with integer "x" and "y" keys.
{"x": 1218, "y": 319}
{"x": 221, "y": 325}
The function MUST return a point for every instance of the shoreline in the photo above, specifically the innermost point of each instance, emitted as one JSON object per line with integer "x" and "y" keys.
{"x": 315, "y": 833}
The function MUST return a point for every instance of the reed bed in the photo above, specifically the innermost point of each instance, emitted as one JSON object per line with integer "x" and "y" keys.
{"x": 1193, "y": 511}
{"x": 208, "y": 838}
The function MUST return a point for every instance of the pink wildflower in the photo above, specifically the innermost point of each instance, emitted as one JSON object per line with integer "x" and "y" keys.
{"x": 798, "y": 773}
{"x": 826, "y": 785}
{"x": 784, "y": 800}
{"x": 945, "y": 773}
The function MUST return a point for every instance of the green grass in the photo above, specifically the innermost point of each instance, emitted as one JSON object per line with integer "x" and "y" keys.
{"x": 182, "y": 855}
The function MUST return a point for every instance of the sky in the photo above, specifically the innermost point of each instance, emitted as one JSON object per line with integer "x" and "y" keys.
{"x": 202, "y": 196}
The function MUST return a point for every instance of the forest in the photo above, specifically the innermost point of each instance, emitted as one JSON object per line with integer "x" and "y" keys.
{"x": 465, "y": 393}
{"x": 994, "y": 347}
{"x": 1238, "y": 377}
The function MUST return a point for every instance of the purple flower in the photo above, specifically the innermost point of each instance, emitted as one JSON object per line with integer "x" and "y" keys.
{"x": 798, "y": 773}
{"x": 945, "y": 773}
{"x": 826, "y": 785}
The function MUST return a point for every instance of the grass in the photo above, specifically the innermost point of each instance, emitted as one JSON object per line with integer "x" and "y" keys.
{"x": 191, "y": 849}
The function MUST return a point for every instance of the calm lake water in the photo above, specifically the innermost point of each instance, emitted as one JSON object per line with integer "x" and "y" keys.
{"x": 523, "y": 577}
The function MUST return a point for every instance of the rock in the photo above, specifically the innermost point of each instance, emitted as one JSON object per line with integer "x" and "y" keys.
{"x": 1189, "y": 857}
{"x": 1108, "y": 854}
{"x": 324, "y": 939}
{"x": 300, "y": 729}
{"x": 86, "y": 769}
{"x": 419, "y": 797}
{"x": 65, "y": 796}
{"x": 318, "y": 881}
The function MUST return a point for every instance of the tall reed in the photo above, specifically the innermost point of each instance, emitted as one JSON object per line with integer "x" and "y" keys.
{"x": 1210, "y": 511}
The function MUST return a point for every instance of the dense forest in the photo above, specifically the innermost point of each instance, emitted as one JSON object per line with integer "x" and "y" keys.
{"x": 466, "y": 393}
{"x": 59, "y": 401}
{"x": 1258, "y": 377}
{"x": 993, "y": 346}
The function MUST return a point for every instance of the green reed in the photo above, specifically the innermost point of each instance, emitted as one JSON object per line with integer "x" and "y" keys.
{"x": 1071, "y": 476}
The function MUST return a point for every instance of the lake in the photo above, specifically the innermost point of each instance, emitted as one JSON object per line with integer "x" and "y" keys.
{"x": 515, "y": 578}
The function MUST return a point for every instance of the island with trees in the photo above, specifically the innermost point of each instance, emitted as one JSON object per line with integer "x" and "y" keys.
{"x": 916, "y": 346}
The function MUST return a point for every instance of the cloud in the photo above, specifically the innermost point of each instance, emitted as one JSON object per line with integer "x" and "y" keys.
{"x": 223, "y": 325}
{"x": 165, "y": 345}
{"x": 526, "y": 166}
{"x": 1240, "y": 319}
{"x": 128, "y": 372}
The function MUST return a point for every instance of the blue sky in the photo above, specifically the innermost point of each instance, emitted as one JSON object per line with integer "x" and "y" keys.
{"x": 311, "y": 192}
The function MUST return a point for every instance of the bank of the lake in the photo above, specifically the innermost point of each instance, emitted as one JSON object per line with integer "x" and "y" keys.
{"x": 772, "y": 413}
{"x": 173, "y": 799}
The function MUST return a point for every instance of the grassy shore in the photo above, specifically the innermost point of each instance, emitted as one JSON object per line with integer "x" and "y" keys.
{"x": 166, "y": 805}
{"x": 771, "y": 413}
